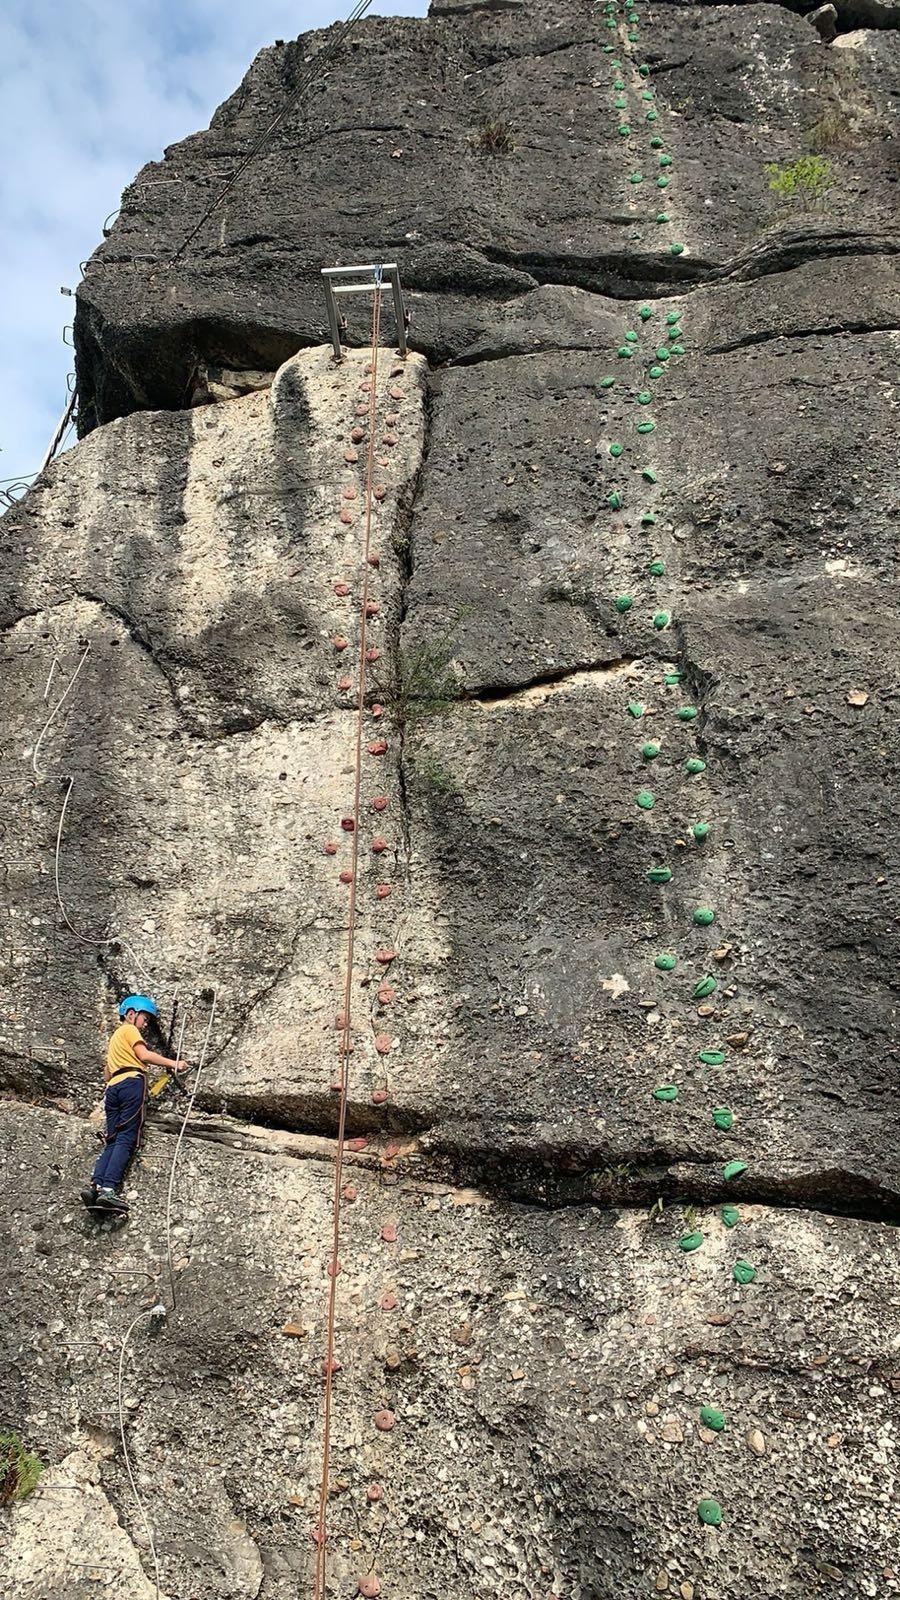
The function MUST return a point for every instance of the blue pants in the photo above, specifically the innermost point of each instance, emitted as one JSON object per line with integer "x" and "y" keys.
{"x": 124, "y": 1104}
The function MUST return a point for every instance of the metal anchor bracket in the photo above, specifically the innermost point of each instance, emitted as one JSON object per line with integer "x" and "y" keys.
{"x": 362, "y": 280}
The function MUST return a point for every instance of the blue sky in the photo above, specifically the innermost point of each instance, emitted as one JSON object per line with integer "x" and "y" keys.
{"x": 89, "y": 91}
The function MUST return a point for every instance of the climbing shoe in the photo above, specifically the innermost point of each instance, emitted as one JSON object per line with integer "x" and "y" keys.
{"x": 108, "y": 1197}
{"x": 89, "y": 1194}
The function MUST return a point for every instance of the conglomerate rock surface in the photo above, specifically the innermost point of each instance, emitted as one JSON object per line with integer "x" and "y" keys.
{"x": 621, "y": 1105}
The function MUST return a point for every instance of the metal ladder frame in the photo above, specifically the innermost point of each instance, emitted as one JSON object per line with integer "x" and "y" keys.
{"x": 363, "y": 285}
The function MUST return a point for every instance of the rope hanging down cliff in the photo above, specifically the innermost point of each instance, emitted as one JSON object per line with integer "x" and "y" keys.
{"x": 321, "y": 1529}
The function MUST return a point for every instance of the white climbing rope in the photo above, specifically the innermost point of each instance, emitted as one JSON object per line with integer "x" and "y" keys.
{"x": 85, "y": 938}
{"x": 134, "y": 1488}
{"x": 178, "y": 1141}
{"x": 57, "y": 708}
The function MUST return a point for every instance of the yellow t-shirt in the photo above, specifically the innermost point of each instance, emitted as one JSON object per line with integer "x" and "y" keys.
{"x": 120, "y": 1057}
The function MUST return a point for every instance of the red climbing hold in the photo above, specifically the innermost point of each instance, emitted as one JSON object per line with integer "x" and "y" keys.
{"x": 379, "y": 491}
{"x": 386, "y": 994}
{"x": 380, "y": 802}
{"x": 383, "y": 891}
{"x": 369, "y": 366}
{"x": 346, "y": 876}
{"x": 391, "y": 1151}
{"x": 384, "y": 1420}
{"x": 330, "y": 848}
{"x": 359, "y": 1143}
{"x": 390, "y": 418}
{"x": 398, "y": 370}
{"x": 373, "y": 558}
{"x": 335, "y": 1364}
{"x": 377, "y": 709}
{"x": 383, "y": 461}
{"x": 386, "y": 956}
{"x": 345, "y": 684}
{"x": 350, "y": 456}
{"x": 339, "y": 642}
{"x": 379, "y": 846}
{"x": 348, "y": 824}
{"x": 342, "y": 589}
{"x": 340, "y": 1020}
{"x": 378, "y": 747}
{"x": 369, "y": 1586}
{"x": 389, "y": 1233}
{"x": 388, "y": 1301}
{"x": 374, "y": 1492}
{"x": 372, "y": 608}
{"x": 383, "y": 1043}
{"x": 333, "y": 1268}
{"x": 317, "y": 1535}
{"x": 357, "y": 435}
{"x": 361, "y": 410}
{"x": 373, "y": 653}
{"x": 364, "y": 384}
{"x": 397, "y": 393}
{"x": 349, "y": 1191}
{"x": 379, "y": 1097}
{"x": 337, "y": 1087}
{"x": 349, "y": 492}
{"x": 347, "y": 518}
{"x": 389, "y": 438}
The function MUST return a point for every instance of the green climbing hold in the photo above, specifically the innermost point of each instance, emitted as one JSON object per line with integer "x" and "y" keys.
{"x": 631, "y": 337}
{"x": 645, "y": 398}
{"x": 650, "y": 751}
{"x": 617, "y": 64}
{"x": 690, "y": 1241}
{"x": 710, "y": 1512}
{"x": 614, "y": 500}
{"x": 700, "y": 831}
{"x": 666, "y": 1091}
{"x": 662, "y": 183}
{"x": 624, "y": 352}
{"x": 647, "y": 94}
{"x": 607, "y": 383}
{"x": 635, "y": 708}
{"x": 743, "y": 1272}
{"x": 676, "y": 249}
{"x": 733, "y": 1169}
{"x": 659, "y": 874}
{"x": 615, "y": 450}
{"x": 656, "y": 569}
{"x": 662, "y": 354}
{"x": 618, "y": 84}
{"x": 711, "y": 1058}
{"x": 645, "y": 427}
{"x": 624, "y": 130}
{"x": 645, "y": 800}
{"x": 656, "y": 372}
{"x": 723, "y": 1119}
{"x": 656, "y": 143}
{"x": 661, "y": 619}
{"x": 687, "y": 713}
{"x": 652, "y": 116}
{"x": 624, "y": 603}
{"x": 632, "y": 37}
{"x": 673, "y": 677}
{"x": 649, "y": 475}
{"x": 671, "y": 316}
{"x": 620, "y": 103}
{"x": 644, "y": 70}
{"x": 645, "y": 313}
{"x": 611, "y": 23}
{"x": 636, "y": 177}
{"x": 648, "y": 518}
{"x": 665, "y": 962}
{"x": 712, "y": 1419}
{"x": 704, "y": 917}
{"x": 695, "y": 766}
{"x": 662, "y": 216}
{"x": 666, "y": 161}
{"x": 608, "y": 48}
{"x": 677, "y": 349}
{"x": 705, "y": 987}
{"x": 730, "y": 1216}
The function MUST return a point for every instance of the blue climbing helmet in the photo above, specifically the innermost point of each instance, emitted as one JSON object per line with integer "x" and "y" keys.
{"x": 138, "y": 1002}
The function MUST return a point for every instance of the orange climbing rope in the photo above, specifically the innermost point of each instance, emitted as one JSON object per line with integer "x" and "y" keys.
{"x": 334, "y": 1265}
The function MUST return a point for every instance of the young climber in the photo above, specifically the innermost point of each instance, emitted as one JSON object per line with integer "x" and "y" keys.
{"x": 127, "y": 1060}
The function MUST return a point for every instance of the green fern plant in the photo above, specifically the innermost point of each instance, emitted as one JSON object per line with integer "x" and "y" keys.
{"x": 19, "y": 1469}
{"x": 806, "y": 180}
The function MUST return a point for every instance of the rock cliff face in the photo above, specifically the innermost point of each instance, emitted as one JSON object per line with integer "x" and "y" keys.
{"x": 622, "y": 1140}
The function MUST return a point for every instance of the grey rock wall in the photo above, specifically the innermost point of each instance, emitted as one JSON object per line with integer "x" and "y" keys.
{"x": 622, "y": 1004}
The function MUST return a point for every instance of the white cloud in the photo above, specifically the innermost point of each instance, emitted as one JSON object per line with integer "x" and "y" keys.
{"x": 89, "y": 91}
